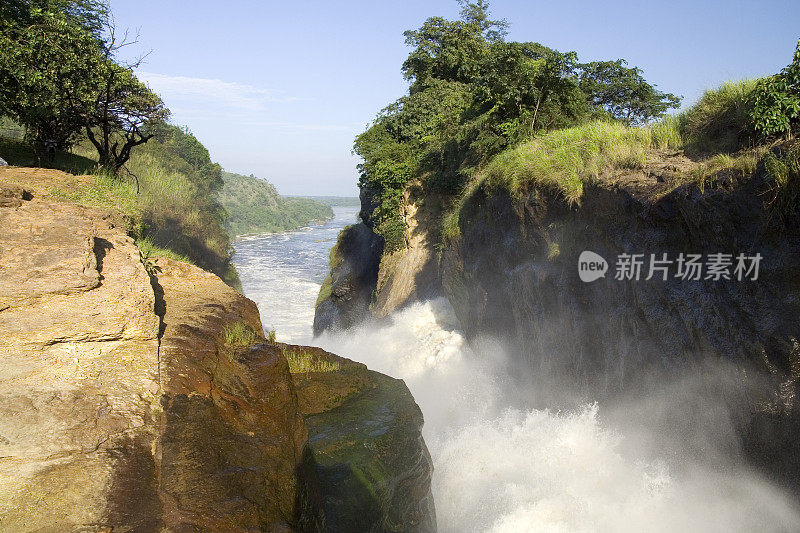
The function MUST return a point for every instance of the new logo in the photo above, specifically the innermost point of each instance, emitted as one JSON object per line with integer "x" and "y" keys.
{"x": 591, "y": 266}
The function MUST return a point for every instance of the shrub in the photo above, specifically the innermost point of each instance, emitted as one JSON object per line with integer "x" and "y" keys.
{"x": 303, "y": 362}
{"x": 720, "y": 121}
{"x": 776, "y": 101}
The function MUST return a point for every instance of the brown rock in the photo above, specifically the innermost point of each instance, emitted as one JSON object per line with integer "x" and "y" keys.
{"x": 234, "y": 454}
{"x": 80, "y": 349}
{"x": 373, "y": 466}
{"x": 105, "y": 424}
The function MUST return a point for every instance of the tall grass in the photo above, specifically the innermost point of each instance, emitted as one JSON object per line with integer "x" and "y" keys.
{"x": 565, "y": 159}
{"x": 666, "y": 134}
{"x": 720, "y": 120}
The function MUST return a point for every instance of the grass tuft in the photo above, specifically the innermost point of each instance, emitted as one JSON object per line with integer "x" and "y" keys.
{"x": 303, "y": 362}
{"x": 239, "y": 335}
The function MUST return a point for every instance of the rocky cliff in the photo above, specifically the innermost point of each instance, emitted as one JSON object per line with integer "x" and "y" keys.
{"x": 132, "y": 397}
{"x": 512, "y": 274}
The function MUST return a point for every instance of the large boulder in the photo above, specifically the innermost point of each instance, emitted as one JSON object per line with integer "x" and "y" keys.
{"x": 346, "y": 293}
{"x": 365, "y": 430}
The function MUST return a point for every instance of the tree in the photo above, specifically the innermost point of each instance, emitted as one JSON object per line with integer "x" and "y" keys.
{"x": 451, "y": 50}
{"x": 120, "y": 109}
{"x": 623, "y": 93}
{"x": 118, "y": 113}
{"x": 48, "y": 61}
{"x": 59, "y": 77}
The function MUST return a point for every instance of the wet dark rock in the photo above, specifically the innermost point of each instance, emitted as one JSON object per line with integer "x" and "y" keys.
{"x": 372, "y": 463}
{"x": 352, "y": 279}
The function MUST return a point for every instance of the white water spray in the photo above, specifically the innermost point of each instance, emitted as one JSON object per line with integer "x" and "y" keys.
{"x": 526, "y": 470}
{"x": 509, "y": 470}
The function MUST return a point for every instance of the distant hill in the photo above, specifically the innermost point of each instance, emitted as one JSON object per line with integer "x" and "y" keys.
{"x": 254, "y": 206}
{"x": 337, "y": 201}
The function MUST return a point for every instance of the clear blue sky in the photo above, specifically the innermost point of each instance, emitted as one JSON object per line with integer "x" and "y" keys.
{"x": 280, "y": 89}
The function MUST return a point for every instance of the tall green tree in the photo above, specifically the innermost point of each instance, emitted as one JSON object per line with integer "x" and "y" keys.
{"x": 59, "y": 77}
{"x": 623, "y": 93}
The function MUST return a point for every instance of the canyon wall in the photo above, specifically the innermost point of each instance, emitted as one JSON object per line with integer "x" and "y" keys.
{"x": 129, "y": 402}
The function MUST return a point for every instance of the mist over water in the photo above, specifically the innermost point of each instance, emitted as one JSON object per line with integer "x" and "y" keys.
{"x": 662, "y": 463}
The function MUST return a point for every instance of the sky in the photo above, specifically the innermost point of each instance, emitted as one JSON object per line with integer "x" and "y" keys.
{"x": 280, "y": 89}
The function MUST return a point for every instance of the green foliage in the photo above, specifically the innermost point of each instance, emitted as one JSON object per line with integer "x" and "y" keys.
{"x": 667, "y": 133}
{"x": 254, "y": 206}
{"x": 20, "y": 153}
{"x": 239, "y": 335}
{"x": 473, "y": 95}
{"x": 150, "y": 250}
{"x": 59, "y": 77}
{"x": 179, "y": 211}
{"x": 451, "y": 50}
{"x": 324, "y": 290}
{"x": 776, "y": 101}
{"x": 48, "y": 62}
{"x": 721, "y": 120}
{"x": 623, "y": 93}
{"x": 102, "y": 191}
{"x": 117, "y": 113}
{"x": 271, "y": 336}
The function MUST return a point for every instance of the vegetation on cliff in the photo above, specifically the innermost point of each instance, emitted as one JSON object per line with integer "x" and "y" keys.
{"x": 484, "y": 112}
{"x": 473, "y": 95}
{"x": 60, "y": 77}
{"x": 254, "y": 206}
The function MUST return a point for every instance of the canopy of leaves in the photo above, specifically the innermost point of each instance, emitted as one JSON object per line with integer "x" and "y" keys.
{"x": 472, "y": 95}
{"x": 776, "y": 101}
{"x": 58, "y": 77}
{"x": 623, "y": 93}
{"x": 48, "y": 65}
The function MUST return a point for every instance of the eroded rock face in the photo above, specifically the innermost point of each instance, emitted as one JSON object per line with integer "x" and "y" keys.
{"x": 365, "y": 430}
{"x": 609, "y": 336}
{"x": 121, "y": 405}
{"x": 78, "y": 372}
{"x": 503, "y": 279}
{"x": 352, "y": 280}
{"x": 233, "y": 454}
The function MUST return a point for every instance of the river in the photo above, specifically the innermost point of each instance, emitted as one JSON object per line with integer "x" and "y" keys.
{"x": 505, "y": 469}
